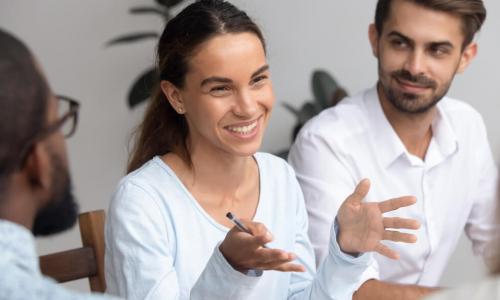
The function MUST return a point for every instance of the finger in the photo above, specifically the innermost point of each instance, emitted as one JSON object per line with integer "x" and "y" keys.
{"x": 259, "y": 231}
{"x": 393, "y": 204}
{"x": 401, "y": 223}
{"x": 267, "y": 256}
{"x": 360, "y": 192}
{"x": 397, "y": 236}
{"x": 386, "y": 251}
{"x": 288, "y": 267}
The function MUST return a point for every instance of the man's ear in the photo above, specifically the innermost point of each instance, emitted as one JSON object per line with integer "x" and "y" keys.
{"x": 373, "y": 36}
{"x": 468, "y": 54}
{"x": 38, "y": 169}
{"x": 173, "y": 96}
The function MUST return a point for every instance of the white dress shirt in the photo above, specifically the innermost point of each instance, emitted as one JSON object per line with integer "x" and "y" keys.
{"x": 455, "y": 185}
{"x": 161, "y": 244}
{"x": 487, "y": 289}
{"x": 20, "y": 277}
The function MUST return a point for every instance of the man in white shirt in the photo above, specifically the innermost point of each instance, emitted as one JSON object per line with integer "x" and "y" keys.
{"x": 35, "y": 189}
{"x": 408, "y": 138}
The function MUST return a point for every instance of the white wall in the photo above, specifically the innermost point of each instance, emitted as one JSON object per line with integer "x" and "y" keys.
{"x": 69, "y": 36}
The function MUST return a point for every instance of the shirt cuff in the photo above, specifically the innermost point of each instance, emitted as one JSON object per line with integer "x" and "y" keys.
{"x": 359, "y": 259}
{"x": 219, "y": 280}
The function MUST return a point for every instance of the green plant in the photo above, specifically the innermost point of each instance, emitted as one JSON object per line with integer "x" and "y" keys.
{"x": 327, "y": 93}
{"x": 142, "y": 87}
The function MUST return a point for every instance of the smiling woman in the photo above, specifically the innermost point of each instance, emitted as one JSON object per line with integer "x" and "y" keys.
{"x": 196, "y": 159}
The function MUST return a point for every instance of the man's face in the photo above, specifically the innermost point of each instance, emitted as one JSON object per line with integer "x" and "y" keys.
{"x": 61, "y": 211}
{"x": 419, "y": 51}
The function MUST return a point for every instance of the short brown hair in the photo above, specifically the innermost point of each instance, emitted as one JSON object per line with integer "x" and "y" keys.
{"x": 472, "y": 13}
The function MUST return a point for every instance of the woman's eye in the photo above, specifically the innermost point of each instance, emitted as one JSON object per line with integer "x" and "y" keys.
{"x": 259, "y": 79}
{"x": 220, "y": 90}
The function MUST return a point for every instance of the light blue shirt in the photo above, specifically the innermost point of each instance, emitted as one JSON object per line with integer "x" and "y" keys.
{"x": 161, "y": 244}
{"x": 20, "y": 276}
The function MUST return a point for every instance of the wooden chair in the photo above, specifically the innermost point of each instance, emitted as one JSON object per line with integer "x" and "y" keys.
{"x": 87, "y": 261}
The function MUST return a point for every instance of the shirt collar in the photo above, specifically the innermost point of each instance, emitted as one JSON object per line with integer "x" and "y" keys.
{"x": 17, "y": 244}
{"x": 444, "y": 137}
{"x": 389, "y": 145}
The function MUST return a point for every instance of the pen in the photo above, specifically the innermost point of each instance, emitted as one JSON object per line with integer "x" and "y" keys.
{"x": 239, "y": 225}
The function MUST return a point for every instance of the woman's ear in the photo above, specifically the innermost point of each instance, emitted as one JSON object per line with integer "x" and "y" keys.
{"x": 173, "y": 96}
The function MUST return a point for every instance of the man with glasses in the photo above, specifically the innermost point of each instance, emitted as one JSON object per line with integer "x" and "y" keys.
{"x": 35, "y": 186}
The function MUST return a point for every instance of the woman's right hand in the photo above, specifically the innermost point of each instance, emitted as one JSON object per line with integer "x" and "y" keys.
{"x": 246, "y": 251}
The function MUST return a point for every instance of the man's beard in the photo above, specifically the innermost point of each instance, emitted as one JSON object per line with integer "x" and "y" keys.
{"x": 61, "y": 213}
{"x": 408, "y": 102}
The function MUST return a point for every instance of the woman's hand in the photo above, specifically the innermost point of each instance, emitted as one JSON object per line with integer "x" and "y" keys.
{"x": 246, "y": 251}
{"x": 362, "y": 225}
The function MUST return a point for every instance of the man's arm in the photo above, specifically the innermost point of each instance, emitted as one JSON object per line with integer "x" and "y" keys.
{"x": 375, "y": 290}
{"x": 482, "y": 224}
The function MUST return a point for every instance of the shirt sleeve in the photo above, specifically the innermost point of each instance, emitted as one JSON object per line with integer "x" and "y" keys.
{"x": 229, "y": 284}
{"x": 139, "y": 262}
{"x": 338, "y": 276}
{"x": 481, "y": 227}
{"x": 326, "y": 181}
{"x": 19, "y": 285}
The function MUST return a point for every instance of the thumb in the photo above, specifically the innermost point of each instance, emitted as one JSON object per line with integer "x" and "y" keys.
{"x": 360, "y": 192}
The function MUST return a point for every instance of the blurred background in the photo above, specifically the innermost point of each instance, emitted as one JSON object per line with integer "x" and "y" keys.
{"x": 71, "y": 40}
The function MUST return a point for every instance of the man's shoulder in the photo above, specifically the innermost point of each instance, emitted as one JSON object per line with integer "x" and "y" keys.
{"x": 21, "y": 285}
{"x": 455, "y": 107}
{"x": 461, "y": 115}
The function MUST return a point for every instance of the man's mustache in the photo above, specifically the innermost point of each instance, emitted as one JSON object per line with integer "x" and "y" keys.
{"x": 418, "y": 80}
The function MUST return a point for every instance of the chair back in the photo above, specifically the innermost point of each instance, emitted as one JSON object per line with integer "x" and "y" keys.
{"x": 86, "y": 261}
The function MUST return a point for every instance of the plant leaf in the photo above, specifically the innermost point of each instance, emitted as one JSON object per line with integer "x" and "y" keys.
{"x": 324, "y": 87}
{"x": 134, "y": 37}
{"x": 142, "y": 88}
{"x": 291, "y": 109}
{"x": 147, "y": 10}
{"x": 169, "y": 3}
{"x": 307, "y": 111}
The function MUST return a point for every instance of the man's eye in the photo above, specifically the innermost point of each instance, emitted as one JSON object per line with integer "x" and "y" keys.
{"x": 439, "y": 51}
{"x": 399, "y": 43}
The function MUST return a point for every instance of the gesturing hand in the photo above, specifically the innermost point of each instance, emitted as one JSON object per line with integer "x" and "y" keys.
{"x": 245, "y": 251}
{"x": 362, "y": 226}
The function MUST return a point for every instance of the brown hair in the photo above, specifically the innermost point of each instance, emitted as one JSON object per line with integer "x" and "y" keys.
{"x": 163, "y": 130}
{"x": 472, "y": 13}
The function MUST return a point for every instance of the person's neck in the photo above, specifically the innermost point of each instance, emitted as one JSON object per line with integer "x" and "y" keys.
{"x": 17, "y": 207}
{"x": 222, "y": 173}
{"x": 414, "y": 130}
{"x": 215, "y": 172}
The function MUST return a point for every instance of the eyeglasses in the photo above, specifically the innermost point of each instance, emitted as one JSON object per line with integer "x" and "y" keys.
{"x": 68, "y": 118}
{"x": 66, "y": 123}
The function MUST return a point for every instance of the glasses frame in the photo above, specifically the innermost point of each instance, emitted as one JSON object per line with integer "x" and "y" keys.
{"x": 72, "y": 115}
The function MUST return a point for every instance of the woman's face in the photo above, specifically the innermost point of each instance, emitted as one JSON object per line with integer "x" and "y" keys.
{"x": 227, "y": 97}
